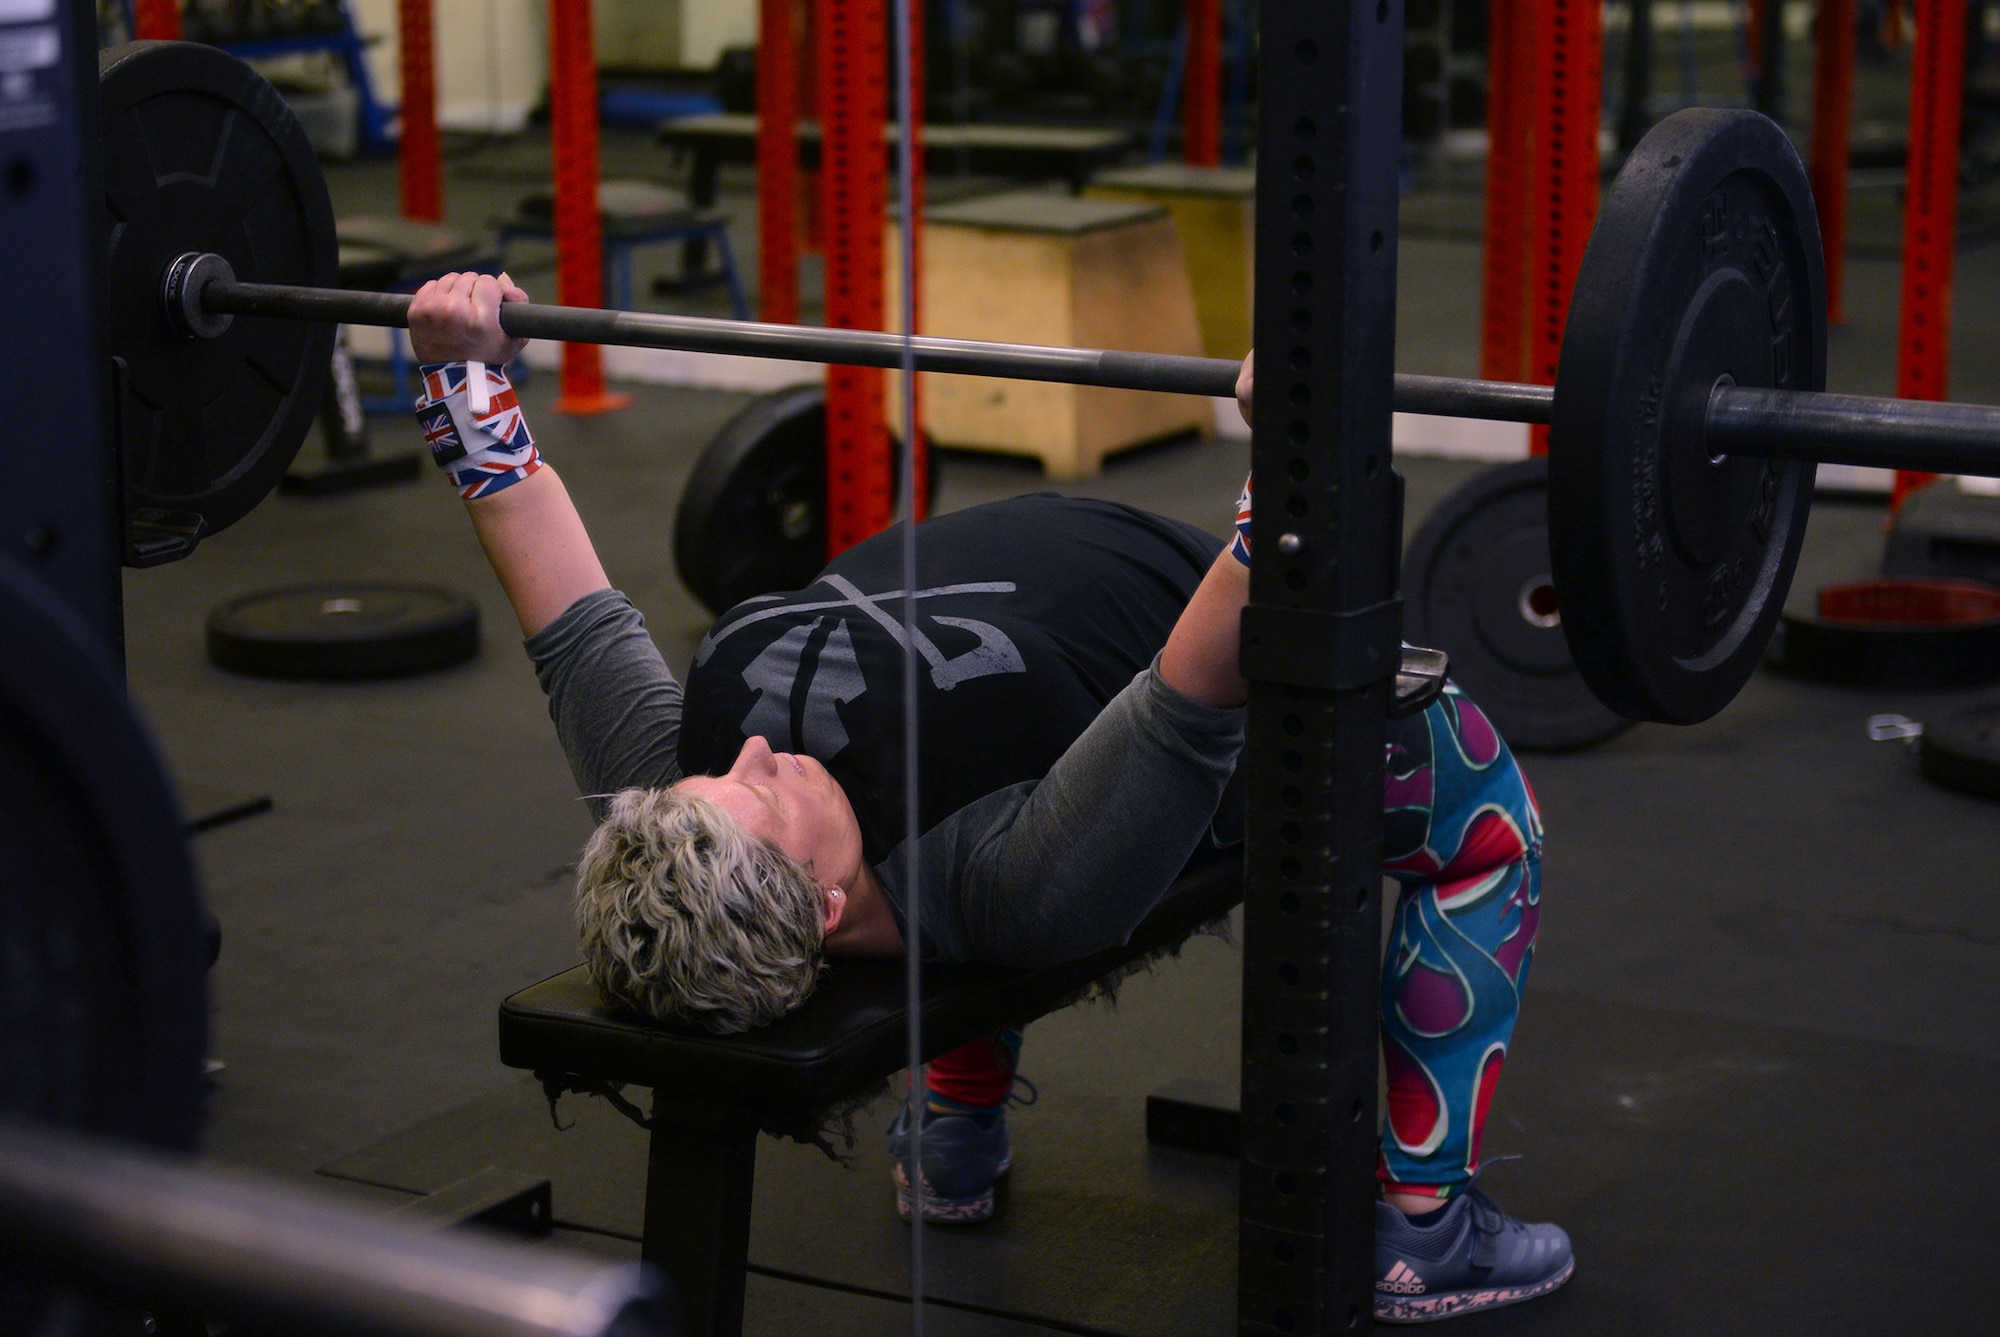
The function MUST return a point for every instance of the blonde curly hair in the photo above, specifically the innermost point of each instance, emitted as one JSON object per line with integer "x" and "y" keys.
{"x": 687, "y": 917}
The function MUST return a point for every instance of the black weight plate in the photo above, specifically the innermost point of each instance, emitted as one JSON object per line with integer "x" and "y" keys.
{"x": 1898, "y": 633}
{"x": 1705, "y": 266}
{"x": 1963, "y": 751}
{"x": 201, "y": 154}
{"x": 1476, "y": 585}
{"x": 351, "y": 630}
{"x": 103, "y": 1015}
{"x": 752, "y": 518}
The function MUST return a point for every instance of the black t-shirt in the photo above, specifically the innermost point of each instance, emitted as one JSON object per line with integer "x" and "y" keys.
{"x": 1031, "y": 614}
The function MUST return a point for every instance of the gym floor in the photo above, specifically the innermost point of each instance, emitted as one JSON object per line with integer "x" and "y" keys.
{"x": 1753, "y": 1075}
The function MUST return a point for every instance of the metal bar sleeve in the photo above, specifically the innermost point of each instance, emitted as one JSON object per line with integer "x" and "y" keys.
{"x": 278, "y": 1258}
{"x": 1902, "y": 434}
{"x": 1169, "y": 373}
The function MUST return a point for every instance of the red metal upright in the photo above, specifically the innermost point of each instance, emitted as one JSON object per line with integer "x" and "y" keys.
{"x": 852, "y": 60}
{"x": 579, "y": 223}
{"x": 1566, "y": 56}
{"x": 1832, "y": 130}
{"x": 1930, "y": 210}
{"x": 778, "y": 162}
{"x": 156, "y": 21}
{"x": 1201, "y": 85}
{"x": 1503, "y": 317}
{"x": 419, "y": 162}
{"x": 913, "y": 218}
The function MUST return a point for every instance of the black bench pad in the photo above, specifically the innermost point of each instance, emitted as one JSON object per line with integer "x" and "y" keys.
{"x": 847, "y": 1037}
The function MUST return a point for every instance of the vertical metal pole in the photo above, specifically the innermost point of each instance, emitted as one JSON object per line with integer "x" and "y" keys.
{"x": 778, "y": 162}
{"x": 579, "y": 220}
{"x": 1930, "y": 210}
{"x": 419, "y": 163}
{"x": 1566, "y": 55}
{"x": 1503, "y": 321}
{"x": 1767, "y": 85}
{"x": 156, "y": 21}
{"x": 1832, "y": 132}
{"x": 1201, "y": 86}
{"x": 57, "y": 519}
{"x": 851, "y": 40}
{"x": 1636, "y": 117}
{"x": 1320, "y": 649}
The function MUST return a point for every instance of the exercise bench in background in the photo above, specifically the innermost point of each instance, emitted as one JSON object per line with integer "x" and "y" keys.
{"x": 713, "y": 1094}
{"x": 633, "y": 214}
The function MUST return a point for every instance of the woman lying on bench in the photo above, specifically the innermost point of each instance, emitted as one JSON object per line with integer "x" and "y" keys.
{"x": 1080, "y": 717}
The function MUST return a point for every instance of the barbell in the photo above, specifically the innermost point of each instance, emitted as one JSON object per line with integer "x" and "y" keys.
{"x": 1688, "y": 412}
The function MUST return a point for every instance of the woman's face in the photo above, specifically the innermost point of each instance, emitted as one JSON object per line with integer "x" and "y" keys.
{"x": 792, "y": 802}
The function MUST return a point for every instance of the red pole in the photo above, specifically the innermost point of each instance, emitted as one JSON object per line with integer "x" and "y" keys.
{"x": 853, "y": 94}
{"x": 579, "y": 223}
{"x": 420, "y": 165}
{"x": 1503, "y": 324}
{"x": 1930, "y": 210}
{"x": 1832, "y": 128}
{"x": 1201, "y": 85}
{"x": 778, "y": 162}
{"x": 1566, "y": 54}
{"x": 156, "y": 21}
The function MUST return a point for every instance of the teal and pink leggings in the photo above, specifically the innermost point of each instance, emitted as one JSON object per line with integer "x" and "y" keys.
{"x": 1463, "y": 838}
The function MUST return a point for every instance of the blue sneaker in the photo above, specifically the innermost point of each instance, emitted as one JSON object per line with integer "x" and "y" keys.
{"x": 966, "y": 1150}
{"x": 1473, "y": 1256}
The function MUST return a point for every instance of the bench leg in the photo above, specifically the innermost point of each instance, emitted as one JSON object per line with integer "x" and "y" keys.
{"x": 699, "y": 1172}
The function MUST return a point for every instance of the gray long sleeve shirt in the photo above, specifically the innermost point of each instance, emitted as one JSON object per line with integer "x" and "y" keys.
{"x": 1035, "y": 873}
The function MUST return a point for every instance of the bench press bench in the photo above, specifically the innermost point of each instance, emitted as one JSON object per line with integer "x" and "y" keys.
{"x": 713, "y": 1094}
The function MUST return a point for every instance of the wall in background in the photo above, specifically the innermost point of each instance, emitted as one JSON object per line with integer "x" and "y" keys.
{"x": 492, "y": 55}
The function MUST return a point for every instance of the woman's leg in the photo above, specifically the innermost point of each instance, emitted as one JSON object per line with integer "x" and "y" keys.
{"x": 1465, "y": 839}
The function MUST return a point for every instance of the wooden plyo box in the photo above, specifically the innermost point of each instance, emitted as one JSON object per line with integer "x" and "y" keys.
{"x": 1027, "y": 267}
{"x": 1215, "y": 210}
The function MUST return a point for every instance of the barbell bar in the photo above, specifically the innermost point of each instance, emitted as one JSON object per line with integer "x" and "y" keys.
{"x": 1739, "y": 420}
{"x": 197, "y": 289}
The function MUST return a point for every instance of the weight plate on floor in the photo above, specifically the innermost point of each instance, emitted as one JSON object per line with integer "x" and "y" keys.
{"x": 1895, "y": 633}
{"x": 1704, "y": 268}
{"x": 1476, "y": 585}
{"x": 349, "y": 630}
{"x": 103, "y": 1014}
{"x": 1963, "y": 751}
{"x": 201, "y": 154}
{"x": 752, "y": 518}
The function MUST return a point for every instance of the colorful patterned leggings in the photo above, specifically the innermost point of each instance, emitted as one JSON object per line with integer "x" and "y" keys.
{"x": 1464, "y": 839}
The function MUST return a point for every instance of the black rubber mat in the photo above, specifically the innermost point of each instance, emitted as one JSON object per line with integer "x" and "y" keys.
{"x": 1717, "y": 1178}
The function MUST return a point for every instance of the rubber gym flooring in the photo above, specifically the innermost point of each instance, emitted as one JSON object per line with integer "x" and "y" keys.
{"x": 1754, "y": 1076}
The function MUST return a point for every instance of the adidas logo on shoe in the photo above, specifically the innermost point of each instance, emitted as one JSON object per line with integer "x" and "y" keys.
{"x": 1401, "y": 1281}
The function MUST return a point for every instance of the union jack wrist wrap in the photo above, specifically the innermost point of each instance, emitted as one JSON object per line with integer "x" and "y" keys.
{"x": 1239, "y": 547}
{"x": 481, "y": 454}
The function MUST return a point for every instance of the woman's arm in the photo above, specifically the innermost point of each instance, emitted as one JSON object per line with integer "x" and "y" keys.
{"x": 529, "y": 528}
{"x": 538, "y": 547}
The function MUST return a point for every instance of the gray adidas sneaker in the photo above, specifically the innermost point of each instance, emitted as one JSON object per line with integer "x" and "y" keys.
{"x": 1473, "y": 1257}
